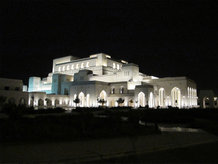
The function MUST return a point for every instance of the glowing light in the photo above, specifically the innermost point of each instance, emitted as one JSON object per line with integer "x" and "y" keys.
{"x": 107, "y": 56}
{"x": 123, "y": 61}
{"x": 82, "y": 65}
{"x": 93, "y": 56}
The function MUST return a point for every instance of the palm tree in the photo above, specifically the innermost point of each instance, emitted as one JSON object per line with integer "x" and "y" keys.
{"x": 101, "y": 101}
{"x": 76, "y": 101}
{"x": 120, "y": 101}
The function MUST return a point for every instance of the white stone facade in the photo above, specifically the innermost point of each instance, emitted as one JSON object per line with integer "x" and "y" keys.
{"x": 100, "y": 77}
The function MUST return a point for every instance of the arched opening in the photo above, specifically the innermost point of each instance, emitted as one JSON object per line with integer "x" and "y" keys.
{"x": 103, "y": 95}
{"x": 176, "y": 97}
{"x": 121, "y": 90}
{"x": 112, "y": 90}
{"x": 22, "y": 101}
{"x": 40, "y": 103}
{"x": 57, "y": 102}
{"x": 112, "y": 103}
{"x": 82, "y": 99}
{"x": 88, "y": 100}
{"x": 141, "y": 99}
{"x": 102, "y": 99}
{"x": 161, "y": 97}
{"x": 31, "y": 103}
{"x": 151, "y": 100}
{"x": 48, "y": 102}
{"x": 206, "y": 102}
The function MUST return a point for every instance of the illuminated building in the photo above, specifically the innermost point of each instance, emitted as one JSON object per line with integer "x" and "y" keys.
{"x": 99, "y": 77}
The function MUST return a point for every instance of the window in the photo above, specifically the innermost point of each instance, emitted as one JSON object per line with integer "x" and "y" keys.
{"x": 63, "y": 69}
{"x": 59, "y": 69}
{"x": 118, "y": 66}
{"x": 114, "y": 65}
{"x": 66, "y": 91}
{"x": 72, "y": 66}
{"x": 68, "y": 67}
{"x": 121, "y": 90}
{"x": 112, "y": 90}
{"x": 82, "y": 65}
{"x": 77, "y": 66}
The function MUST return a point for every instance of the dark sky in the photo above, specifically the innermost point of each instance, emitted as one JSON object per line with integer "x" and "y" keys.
{"x": 165, "y": 37}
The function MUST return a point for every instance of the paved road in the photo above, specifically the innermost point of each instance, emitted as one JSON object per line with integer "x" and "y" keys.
{"x": 100, "y": 149}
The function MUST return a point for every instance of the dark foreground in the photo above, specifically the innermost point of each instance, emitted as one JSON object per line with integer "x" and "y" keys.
{"x": 101, "y": 135}
{"x": 203, "y": 153}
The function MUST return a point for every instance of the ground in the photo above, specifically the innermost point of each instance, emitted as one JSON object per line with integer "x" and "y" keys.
{"x": 203, "y": 153}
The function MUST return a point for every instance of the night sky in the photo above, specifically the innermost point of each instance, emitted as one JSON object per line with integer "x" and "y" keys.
{"x": 165, "y": 38}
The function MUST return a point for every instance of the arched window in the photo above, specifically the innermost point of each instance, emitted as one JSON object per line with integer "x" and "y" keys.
{"x": 141, "y": 99}
{"x": 206, "y": 102}
{"x": 151, "y": 100}
{"x": 59, "y": 69}
{"x": 121, "y": 90}
{"x": 112, "y": 90}
{"x": 48, "y": 102}
{"x": 77, "y": 66}
{"x": 40, "y": 103}
{"x": 57, "y": 103}
{"x": 82, "y": 99}
{"x": 161, "y": 97}
{"x": 114, "y": 65}
{"x": 63, "y": 69}
{"x": 112, "y": 103}
{"x": 103, "y": 95}
{"x": 176, "y": 97}
{"x": 72, "y": 66}
{"x": 82, "y": 65}
{"x": 68, "y": 67}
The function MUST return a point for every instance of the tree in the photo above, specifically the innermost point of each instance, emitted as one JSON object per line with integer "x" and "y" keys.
{"x": 101, "y": 101}
{"x": 120, "y": 101}
{"x": 76, "y": 101}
